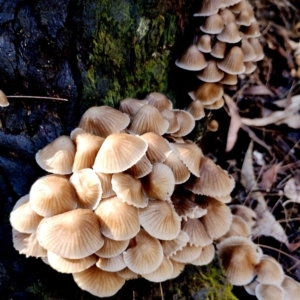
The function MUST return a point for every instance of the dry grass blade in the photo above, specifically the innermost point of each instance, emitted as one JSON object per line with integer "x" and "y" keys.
{"x": 37, "y": 97}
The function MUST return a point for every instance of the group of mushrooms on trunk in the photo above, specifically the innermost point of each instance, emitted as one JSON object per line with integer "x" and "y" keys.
{"x": 126, "y": 196}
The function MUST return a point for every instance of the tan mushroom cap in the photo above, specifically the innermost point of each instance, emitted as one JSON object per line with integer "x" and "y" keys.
{"x": 268, "y": 291}
{"x": 246, "y": 213}
{"x": 230, "y": 34}
{"x": 192, "y": 60}
{"x": 211, "y": 73}
{"x": 88, "y": 188}
{"x": 239, "y": 256}
{"x": 171, "y": 118}
{"x": 180, "y": 171}
{"x": 224, "y": 199}
{"x": 159, "y": 101}
{"x": 213, "y": 180}
{"x": 213, "y": 24}
{"x": 145, "y": 253}
{"x": 129, "y": 190}
{"x": 148, "y": 119}
{"x": 208, "y": 8}
{"x": 207, "y": 93}
{"x": 204, "y": 43}
{"x": 238, "y": 227}
{"x": 196, "y": 232}
{"x": 27, "y": 244}
{"x": 190, "y": 154}
{"x": 177, "y": 268}
{"x": 216, "y": 105}
{"x": 118, "y": 220}
{"x": 250, "y": 67}
{"x": 87, "y": 147}
{"x": 218, "y": 50}
{"x": 244, "y": 18}
{"x": 269, "y": 271}
{"x": 170, "y": 247}
{"x": 186, "y": 123}
{"x": 112, "y": 248}
{"x": 218, "y": 218}
{"x": 257, "y": 48}
{"x": 206, "y": 256}
{"x": 105, "y": 180}
{"x": 227, "y": 16}
{"x": 248, "y": 50}
{"x": 250, "y": 288}
{"x": 158, "y": 147}
{"x": 142, "y": 168}
{"x": 74, "y": 234}
{"x": 213, "y": 125}
{"x": 162, "y": 273}
{"x": 233, "y": 62}
{"x": 229, "y": 79}
{"x": 160, "y": 220}
{"x": 103, "y": 121}
{"x": 291, "y": 288}
{"x": 58, "y": 156}
{"x": 159, "y": 184}
{"x": 111, "y": 264}
{"x": 51, "y": 195}
{"x": 67, "y": 265}
{"x": 131, "y": 106}
{"x": 98, "y": 282}
{"x": 238, "y": 7}
{"x": 252, "y": 31}
{"x": 196, "y": 109}
{"x": 119, "y": 152}
{"x": 127, "y": 274}
{"x": 23, "y": 218}
{"x": 227, "y": 3}
{"x": 3, "y": 99}
{"x": 187, "y": 254}
{"x": 185, "y": 207}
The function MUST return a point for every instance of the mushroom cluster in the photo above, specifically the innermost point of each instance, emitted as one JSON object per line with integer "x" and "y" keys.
{"x": 225, "y": 45}
{"x": 246, "y": 265}
{"x": 125, "y": 197}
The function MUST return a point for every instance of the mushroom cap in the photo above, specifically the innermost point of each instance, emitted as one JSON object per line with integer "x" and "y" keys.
{"x": 103, "y": 121}
{"x": 162, "y": 273}
{"x": 192, "y": 60}
{"x": 230, "y": 34}
{"x": 252, "y": 31}
{"x": 111, "y": 264}
{"x": 213, "y": 125}
{"x": 98, "y": 282}
{"x": 142, "y": 168}
{"x": 246, "y": 213}
{"x": 74, "y": 234}
{"x": 206, "y": 256}
{"x": 171, "y": 118}
{"x": 3, "y": 99}
{"x": 269, "y": 271}
{"x": 159, "y": 101}
{"x": 119, "y": 152}
{"x": 148, "y": 119}
{"x": 105, "y": 180}
{"x": 269, "y": 291}
{"x": 159, "y": 183}
{"x": 23, "y": 218}
{"x": 67, "y": 265}
{"x": 51, "y": 195}
{"x": 227, "y": 16}
{"x": 112, "y": 248}
{"x": 196, "y": 232}
{"x": 118, "y": 220}
{"x": 212, "y": 181}
{"x": 257, "y": 48}
{"x": 239, "y": 256}
{"x": 27, "y": 243}
{"x": 158, "y": 147}
{"x": 204, "y": 43}
{"x": 218, "y": 218}
{"x": 248, "y": 50}
{"x": 170, "y": 247}
{"x": 88, "y": 188}
{"x": 145, "y": 253}
{"x": 131, "y": 106}
{"x": 233, "y": 61}
{"x": 186, "y": 123}
{"x": 196, "y": 109}
{"x": 238, "y": 7}
{"x": 207, "y": 92}
{"x": 190, "y": 154}
{"x": 160, "y": 220}
{"x": 227, "y": 3}
{"x": 250, "y": 287}
{"x": 187, "y": 254}
{"x": 291, "y": 288}
{"x": 127, "y": 274}
{"x": 208, "y": 8}
{"x": 180, "y": 171}
{"x": 87, "y": 147}
{"x": 244, "y": 18}
{"x": 218, "y": 50}
{"x": 213, "y": 24}
{"x": 177, "y": 268}
{"x": 216, "y": 105}
{"x": 238, "y": 227}
{"x": 58, "y": 156}
{"x": 229, "y": 79}
{"x": 211, "y": 73}
{"x": 250, "y": 67}
{"x": 129, "y": 189}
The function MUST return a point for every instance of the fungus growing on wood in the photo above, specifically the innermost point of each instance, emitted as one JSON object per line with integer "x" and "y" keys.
{"x": 3, "y": 99}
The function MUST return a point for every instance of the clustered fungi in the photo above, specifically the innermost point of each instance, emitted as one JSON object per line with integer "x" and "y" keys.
{"x": 225, "y": 45}
{"x": 126, "y": 196}
{"x": 246, "y": 265}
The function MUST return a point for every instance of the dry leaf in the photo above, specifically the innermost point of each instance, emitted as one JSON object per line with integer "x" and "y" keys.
{"x": 269, "y": 177}
{"x": 258, "y": 90}
{"x": 292, "y": 191}
{"x": 235, "y": 123}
